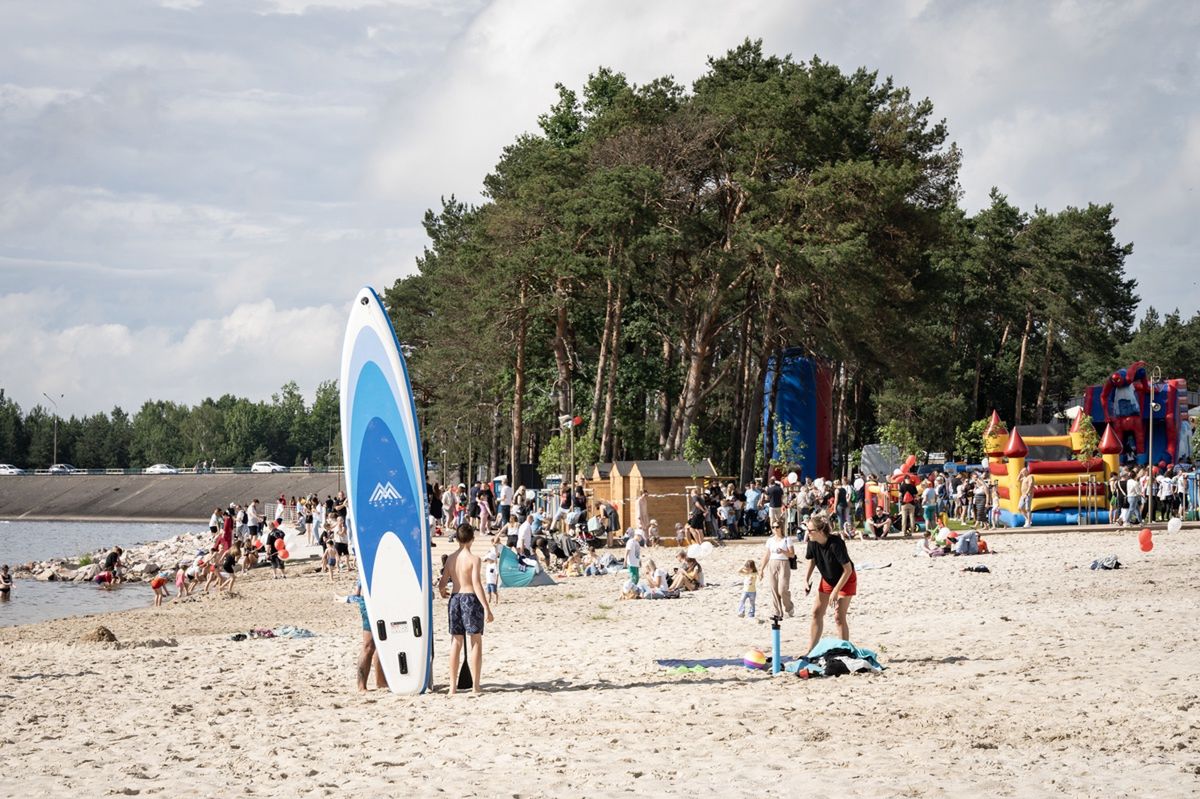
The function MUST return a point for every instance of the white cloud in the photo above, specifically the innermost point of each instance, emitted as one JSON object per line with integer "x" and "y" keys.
{"x": 172, "y": 174}
{"x": 251, "y": 351}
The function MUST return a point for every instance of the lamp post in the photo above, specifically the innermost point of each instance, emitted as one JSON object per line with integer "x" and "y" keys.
{"x": 55, "y": 404}
{"x": 1155, "y": 377}
{"x": 444, "y": 473}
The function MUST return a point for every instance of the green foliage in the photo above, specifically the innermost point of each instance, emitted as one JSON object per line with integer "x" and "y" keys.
{"x": 1089, "y": 439}
{"x": 554, "y": 457}
{"x": 900, "y": 435}
{"x": 694, "y": 449}
{"x": 968, "y": 441}
{"x": 86, "y": 560}
{"x": 789, "y": 448}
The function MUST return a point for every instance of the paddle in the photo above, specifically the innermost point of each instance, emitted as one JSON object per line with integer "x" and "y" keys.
{"x": 464, "y": 677}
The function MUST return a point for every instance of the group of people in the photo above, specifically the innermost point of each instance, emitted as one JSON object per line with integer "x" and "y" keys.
{"x": 1137, "y": 495}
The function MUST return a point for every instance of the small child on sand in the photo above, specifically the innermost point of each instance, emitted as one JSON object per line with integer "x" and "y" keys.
{"x": 491, "y": 576}
{"x": 749, "y": 589}
{"x": 329, "y": 559}
{"x": 182, "y": 588}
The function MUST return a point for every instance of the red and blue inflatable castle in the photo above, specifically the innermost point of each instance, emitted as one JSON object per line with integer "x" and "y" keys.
{"x": 1127, "y": 401}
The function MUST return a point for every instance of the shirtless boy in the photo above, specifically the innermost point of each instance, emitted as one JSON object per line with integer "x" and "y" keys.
{"x": 468, "y": 606}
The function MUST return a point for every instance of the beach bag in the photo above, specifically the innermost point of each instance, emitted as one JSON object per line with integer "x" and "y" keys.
{"x": 794, "y": 562}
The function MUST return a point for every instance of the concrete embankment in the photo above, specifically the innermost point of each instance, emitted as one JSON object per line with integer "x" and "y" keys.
{"x": 182, "y": 497}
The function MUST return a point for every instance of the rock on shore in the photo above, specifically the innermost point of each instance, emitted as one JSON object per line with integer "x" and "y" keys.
{"x": 142, "y": 561}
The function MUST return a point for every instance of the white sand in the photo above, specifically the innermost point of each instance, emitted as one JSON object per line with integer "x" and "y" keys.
{"x": 1033, "y": 680}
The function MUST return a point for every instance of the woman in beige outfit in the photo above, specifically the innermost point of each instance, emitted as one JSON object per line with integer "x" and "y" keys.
{"x": 777, "y": 572}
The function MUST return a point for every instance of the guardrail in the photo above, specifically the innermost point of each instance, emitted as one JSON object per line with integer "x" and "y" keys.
{"x": 220, "y": 470}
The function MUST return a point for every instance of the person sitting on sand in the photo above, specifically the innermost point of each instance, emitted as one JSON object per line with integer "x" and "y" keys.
{"x": 468, "y": 607}
{"x": 879, "y": 525}
{"x": 652, "y": 533}
{"x": 573, "y": 566}
{"x": 690, "y": 575}
{"x": 656, "y": 579}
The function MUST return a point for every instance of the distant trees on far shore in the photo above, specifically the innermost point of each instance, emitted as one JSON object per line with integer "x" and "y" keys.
{"x": 233, "y": 431}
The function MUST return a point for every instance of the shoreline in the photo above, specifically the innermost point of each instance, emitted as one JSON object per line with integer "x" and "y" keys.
{"x": 107, "y": 519}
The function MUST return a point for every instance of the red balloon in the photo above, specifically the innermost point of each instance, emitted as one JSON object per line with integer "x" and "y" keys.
{"x": 283, "y": 553}
{"x": 1147, "y": 546}
{"x": 1145, "y": 540}
{"x": 279, "y": 545}
{"x": 578, "y": 420}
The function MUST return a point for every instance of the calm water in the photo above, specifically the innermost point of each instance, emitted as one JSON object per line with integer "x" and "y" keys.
{"x": 33, "y": 601}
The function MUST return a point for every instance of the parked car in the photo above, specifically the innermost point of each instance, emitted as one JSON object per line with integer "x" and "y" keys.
{"x": 8, "y": 468}
{"x": 267, "y": 467}
{"x": 160, "y": 468}
{"x": 62, "y": 468}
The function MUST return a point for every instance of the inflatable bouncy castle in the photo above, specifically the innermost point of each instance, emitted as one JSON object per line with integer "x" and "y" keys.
{"x": 1065, "y": 492}
{"x": 1125, "y": 404}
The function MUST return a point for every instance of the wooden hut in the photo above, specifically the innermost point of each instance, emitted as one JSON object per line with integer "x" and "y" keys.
{"x": 666, "y": 484}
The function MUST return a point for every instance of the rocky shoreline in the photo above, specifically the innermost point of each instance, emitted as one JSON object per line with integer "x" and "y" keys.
{"x": 142, "y": 561}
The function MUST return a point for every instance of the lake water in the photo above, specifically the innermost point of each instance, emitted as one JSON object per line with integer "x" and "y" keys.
{"x": 33, "y": 601}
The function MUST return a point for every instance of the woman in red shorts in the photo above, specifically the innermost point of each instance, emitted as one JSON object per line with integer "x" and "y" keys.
{"x": 839, "y": 582}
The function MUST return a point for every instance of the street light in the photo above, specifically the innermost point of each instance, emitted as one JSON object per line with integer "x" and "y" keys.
{"x": 55, "y": 404}
{"x": 444, "y": 476}
{"x": 1155, "y": 378}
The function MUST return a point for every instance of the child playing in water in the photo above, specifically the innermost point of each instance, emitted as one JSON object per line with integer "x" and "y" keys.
{"x": 749, "y": 589}
{"x": 159, "y": 584}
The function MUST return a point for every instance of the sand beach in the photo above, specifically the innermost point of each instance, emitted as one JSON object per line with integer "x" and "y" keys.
{"x": 1040, "y": 678}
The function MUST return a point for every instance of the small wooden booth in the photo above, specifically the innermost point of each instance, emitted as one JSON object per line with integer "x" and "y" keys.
{"x": 666, "y": 484}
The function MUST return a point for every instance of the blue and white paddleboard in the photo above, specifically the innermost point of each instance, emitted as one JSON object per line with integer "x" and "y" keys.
{"x": 385, "y": 478}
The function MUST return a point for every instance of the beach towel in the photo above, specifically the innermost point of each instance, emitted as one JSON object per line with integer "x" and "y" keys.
{"x": 712, "y": 663}
{"x": 832, "y": 657}
{"x": 1106, "y": 564}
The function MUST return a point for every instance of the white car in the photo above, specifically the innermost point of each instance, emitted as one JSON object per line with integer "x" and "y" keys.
{"x": 62, "y": 468}
{"x": 160, "y": 468}
{"x": 267, "y": 467}
{"x": 8, "y": 468}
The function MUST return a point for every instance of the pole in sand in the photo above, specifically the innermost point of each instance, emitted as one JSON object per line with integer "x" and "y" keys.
{"x": 776, "y": 663}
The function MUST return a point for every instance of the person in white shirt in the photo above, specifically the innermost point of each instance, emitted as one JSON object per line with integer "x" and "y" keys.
{"x": 491, "y": 574}
{"x": 506, "y": 500}
{"x": 525, "y": 538}
{"x": 776, "y": 571}
{"x": 1133, "y": 491}
{"x": 633, "y": 556}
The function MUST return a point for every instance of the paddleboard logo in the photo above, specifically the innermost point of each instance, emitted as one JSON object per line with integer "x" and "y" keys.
{"x": 384, "y": 493}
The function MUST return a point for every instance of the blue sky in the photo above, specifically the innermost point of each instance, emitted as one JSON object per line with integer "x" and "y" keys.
{"x": 192, "y": 191}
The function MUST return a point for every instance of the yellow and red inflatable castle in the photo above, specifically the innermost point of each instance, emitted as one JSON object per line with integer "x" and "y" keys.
{"x": 1065, "y": 492}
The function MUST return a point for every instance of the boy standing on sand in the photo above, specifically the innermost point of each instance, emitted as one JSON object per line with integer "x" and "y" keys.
{"x": 468, "y": 605}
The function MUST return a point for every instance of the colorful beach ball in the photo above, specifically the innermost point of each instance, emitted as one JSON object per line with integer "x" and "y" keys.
{"x": 754, "y": 659}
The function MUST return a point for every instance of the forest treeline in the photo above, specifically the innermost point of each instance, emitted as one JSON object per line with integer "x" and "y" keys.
{"x": 231, "y": 431}
{"x": 638, "y": 260}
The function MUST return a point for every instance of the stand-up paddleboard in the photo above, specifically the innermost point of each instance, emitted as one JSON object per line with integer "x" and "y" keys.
{"x": 385, "y": 478}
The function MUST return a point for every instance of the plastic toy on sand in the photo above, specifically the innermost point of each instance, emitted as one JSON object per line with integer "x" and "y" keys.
{"x": 1146, "y": 540}
{"x": 755, "y": 659}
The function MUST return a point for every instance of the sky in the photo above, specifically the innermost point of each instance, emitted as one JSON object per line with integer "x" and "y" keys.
{"x": 192, "y": 191}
